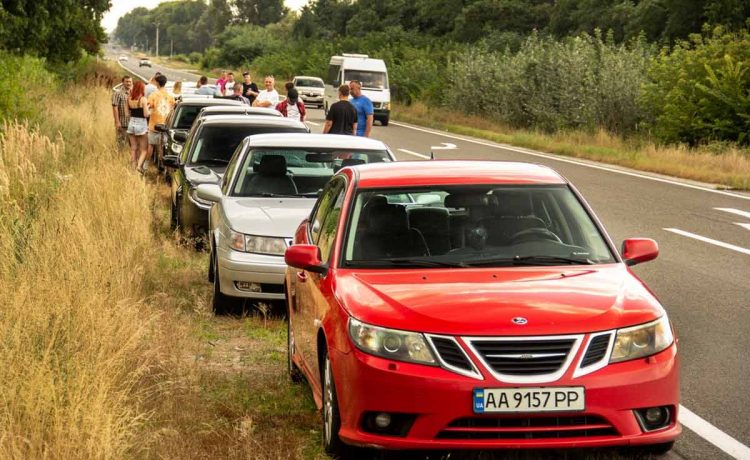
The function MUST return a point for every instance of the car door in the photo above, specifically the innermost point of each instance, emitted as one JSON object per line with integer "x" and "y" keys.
{"x": 309, "y": 301}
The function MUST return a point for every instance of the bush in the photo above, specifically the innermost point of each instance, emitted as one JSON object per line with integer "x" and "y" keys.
{"x": 699, "y": 91}
{"x": 24, "y": 80}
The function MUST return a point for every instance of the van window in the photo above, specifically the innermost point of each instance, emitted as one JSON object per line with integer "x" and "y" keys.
{"x": 369, "y": 79}
{"x": 333, "y": 75}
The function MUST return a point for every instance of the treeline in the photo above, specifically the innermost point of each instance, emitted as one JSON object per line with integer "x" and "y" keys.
{"x": 673, "y": 70}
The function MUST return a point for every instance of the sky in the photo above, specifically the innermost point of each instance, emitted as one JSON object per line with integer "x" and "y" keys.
{"x": 121, "y": 7}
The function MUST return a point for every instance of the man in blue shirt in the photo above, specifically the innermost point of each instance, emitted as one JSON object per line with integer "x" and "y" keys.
{"x": 363, "y": 105}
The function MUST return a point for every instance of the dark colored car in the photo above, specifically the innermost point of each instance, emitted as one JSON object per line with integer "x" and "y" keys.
{"x": 180, "y": 120}
{"x": 209, "y": 147}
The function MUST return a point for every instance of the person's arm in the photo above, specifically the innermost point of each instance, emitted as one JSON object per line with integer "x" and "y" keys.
{"x": 327, "y": 126}
{"x": 302, "y": 112}
{"x": 354, "y": 129}
{"x": 115, "y": 111}
{"x": 145, "y": 105}
{"x": 370, "y": 117}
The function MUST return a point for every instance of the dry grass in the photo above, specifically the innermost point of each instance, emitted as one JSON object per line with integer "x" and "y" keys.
{"x": 730, "y": 167}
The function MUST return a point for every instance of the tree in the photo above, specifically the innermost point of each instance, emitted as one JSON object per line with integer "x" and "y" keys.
{"x": 260, "y": 12}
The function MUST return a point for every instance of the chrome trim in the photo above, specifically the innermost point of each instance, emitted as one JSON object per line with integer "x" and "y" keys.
{"x": 475, "y": 374}
{"x": 541, "y": 378}
{"x": 528, "y": 355}
{"x": 581, "y": 371}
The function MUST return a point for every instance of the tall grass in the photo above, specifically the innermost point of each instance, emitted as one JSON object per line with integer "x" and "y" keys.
{"x": 75, "y": 228}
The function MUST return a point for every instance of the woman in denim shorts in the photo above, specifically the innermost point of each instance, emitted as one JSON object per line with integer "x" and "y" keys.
{"x": 138, "y": 125}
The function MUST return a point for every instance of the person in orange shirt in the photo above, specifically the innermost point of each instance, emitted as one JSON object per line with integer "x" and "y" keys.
{"x": 160, "y": 103}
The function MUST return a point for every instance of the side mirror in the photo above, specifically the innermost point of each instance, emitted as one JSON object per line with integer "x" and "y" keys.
{"x": 180, "y": 136}
{"x": 209, "y": 192}
{"x": 161, "y": 127}
{"x": 638, "y": 250}
{"x": 305, "y": 257}
{"x": 171, "y": 161}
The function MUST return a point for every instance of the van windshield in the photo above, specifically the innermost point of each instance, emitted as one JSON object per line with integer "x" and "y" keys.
{"x": 369, "y": 79}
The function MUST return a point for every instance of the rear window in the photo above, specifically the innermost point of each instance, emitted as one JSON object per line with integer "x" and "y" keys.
{"x": 186, "y": 116}
{"x": 216, "y": 144}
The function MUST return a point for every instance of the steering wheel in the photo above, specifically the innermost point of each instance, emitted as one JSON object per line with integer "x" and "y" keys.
{"x": 534, "y": 233}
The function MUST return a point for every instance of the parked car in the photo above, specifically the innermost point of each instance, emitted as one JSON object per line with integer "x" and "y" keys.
{"x": 270, "y": 186}
{"x": 180, "y": 119}
{"x": 311, "y": 90}
{"x": 144, "y": 63}
{"x": 242, "y": 109}
{"x": 475, "y": 305}
{"x": 208, "y": 148}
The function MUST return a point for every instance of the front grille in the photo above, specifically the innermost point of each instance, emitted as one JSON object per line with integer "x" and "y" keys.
{"x": 528, "y": 427}
{"x": 530, "y": 357}
{"x": 596, "y": 351}
{"x": 451, "y": 353}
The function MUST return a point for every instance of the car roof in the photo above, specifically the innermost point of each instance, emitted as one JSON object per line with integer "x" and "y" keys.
{"x": 260, "y": 120}
{"x": 209, "y": 101}
{"x": 454, "y": 172}
{"x": 303, "y": 140}
{"x": 241, "y": 108}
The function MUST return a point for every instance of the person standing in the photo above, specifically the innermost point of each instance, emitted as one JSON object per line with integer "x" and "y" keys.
{"x": 203, "y": 88}
{"x": 365, "y": 110}
{"x": 292, "y": 107}
{"x": 237, "y": 94}
{"x": 221, "y": 81}
{"x": 177, "y": 89}
{"x": 120, "y": 110}
{"x": 160, "y": 104}
{"x": 151, "y": 87}
{"x": 137, "y": 105}
{"x": 229, "y": 84}
{"x": 269, "y": 97}
{"x": 342, "y": 116}
{"x": 249, "y": 89}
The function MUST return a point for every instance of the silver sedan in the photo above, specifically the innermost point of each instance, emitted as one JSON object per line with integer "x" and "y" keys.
{"x": 270, "y": 186}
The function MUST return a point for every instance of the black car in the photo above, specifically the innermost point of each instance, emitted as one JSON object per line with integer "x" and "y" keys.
{"x": 180, "y": 119}
{"x": 207, "y": 151}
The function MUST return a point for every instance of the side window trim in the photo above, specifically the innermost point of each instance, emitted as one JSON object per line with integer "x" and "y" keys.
{"x": 330, "y": 186}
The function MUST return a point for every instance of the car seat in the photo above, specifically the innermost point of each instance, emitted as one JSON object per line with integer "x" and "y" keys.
{"x": 386, "y": 233}
{"x": 271, "y": 177}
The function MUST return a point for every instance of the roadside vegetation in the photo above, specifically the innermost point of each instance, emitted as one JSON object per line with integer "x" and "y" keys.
{"x": 656, "y": 77}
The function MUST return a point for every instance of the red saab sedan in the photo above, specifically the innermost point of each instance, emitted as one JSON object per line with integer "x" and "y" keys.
{"x": 475, "y": 305}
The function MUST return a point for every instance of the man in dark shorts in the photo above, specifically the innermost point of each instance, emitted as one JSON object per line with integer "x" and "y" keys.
{"x": 341, "y": 117}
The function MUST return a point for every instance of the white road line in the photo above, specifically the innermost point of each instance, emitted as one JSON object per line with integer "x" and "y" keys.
{"x": 746, "y": 226}
{"x": 713, "y": 435}
{"x": 735, "y": 211}
{"x": 709, "y": 240}
{"x": 426, "y": 157}
{"x": 566, "y": 160}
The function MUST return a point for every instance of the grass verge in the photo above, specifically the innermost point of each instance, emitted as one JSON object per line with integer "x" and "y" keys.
{"x": 728, "y": 167}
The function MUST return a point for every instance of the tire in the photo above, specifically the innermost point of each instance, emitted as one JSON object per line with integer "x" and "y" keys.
{"x": 294, "y": 373}
{"x": 211, "y": 274}
{"x": 384, "y": 121}
{"x": 221, "y": 304}
{"x": 332, "y": 444}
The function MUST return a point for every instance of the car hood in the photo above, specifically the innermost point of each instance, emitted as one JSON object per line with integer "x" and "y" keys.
{"x": 266, "y": 216}
{"x": 202, "y": 174}
{"x": 554, "y": 300}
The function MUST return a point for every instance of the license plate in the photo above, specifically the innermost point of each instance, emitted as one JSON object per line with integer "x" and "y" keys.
{"x": 550, "y": 399}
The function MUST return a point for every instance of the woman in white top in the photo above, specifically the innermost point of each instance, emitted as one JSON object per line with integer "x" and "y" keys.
{"x": 269, "y": 97}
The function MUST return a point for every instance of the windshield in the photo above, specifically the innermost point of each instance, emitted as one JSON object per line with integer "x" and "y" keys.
{"x": 472, "y": 226}
{"x": 216, "y": 144}
{"x": 369, "y": 80}
{"x": 296, "y": 172}
{"x": 309, "y": 83}
{"x": 185, "y": 116}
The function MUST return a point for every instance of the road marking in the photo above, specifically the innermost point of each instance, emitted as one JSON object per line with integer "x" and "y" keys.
{"x": 444, "y": 146}
{"x": 709, "y": 240}
{"x": 746, "y": 226}
{"x": 713, "y": 435}
{"x": 566, "y": 160}
{"x": 735, "y": 211}
{"x": 426, "y": 157}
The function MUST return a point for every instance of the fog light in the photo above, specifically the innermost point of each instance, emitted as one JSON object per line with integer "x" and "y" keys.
{"x": 382, "y": 420}
{"x": 247, "y": 286}
{"x": 654, "y": 418}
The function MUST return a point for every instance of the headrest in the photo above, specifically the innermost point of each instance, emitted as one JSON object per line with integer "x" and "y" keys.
{"x": 374, "y": 201}
{"x": 272, "y": 165}
{"x": 388, "y": 219}
{"x": 352, "y": 162}
{"x": 430, "y": 220}
{"x": 468, "y": 200}
{"x": 513, "y": 203}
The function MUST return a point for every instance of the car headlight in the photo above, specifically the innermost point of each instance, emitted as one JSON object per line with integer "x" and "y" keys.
{"x": 258, "y": 244}
{"x": 391, "y": 343}
{"x": 643, "y": 340}
{"x": 176, "y": 148}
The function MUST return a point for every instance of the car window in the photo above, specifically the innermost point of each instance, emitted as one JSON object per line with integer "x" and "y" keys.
{"x": 330, "y": 222}
{"x": 296, "y": 171}
{"x": 217, "y": 143}
{"x": 473, "y": 226}
{"x": 324, "y": 204}
{"x": 185, "y": 116}
{"x": 309, "y": 83}
{"x": 369, "y": 79}
{"x": 227, "y": 179}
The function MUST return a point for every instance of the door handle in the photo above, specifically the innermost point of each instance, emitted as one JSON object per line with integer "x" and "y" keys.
{"x": 301, "y": 276}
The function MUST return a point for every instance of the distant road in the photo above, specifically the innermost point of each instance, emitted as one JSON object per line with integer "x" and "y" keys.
{"x": 702, "y": 275}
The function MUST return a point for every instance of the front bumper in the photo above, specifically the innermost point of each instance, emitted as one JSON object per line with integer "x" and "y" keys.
{"x": 263, "y": 270}
{"x": 312, "y": 99}
{"x": 437, "y": 397}
{"x": 381, "y": 114}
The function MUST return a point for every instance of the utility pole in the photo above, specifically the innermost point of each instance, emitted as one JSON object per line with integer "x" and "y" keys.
{"x": 157, "y": 39}
{"x": 171, "y": 48}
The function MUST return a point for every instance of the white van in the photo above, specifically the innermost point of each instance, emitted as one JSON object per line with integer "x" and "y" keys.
{"x": 373, "y": 75}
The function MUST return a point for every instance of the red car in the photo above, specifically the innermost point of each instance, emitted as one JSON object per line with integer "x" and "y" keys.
{"x": 475, "y": 305}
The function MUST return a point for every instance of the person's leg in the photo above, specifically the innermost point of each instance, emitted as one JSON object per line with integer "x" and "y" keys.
{"x": 143, "y": 142}
{"x": 134, "y": 147}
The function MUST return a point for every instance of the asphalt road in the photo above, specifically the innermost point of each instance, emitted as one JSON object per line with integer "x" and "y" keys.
{"x": 703, "y": 284}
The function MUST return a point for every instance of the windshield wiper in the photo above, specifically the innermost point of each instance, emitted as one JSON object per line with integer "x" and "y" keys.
{"x": 532, "y": 260}
{"x": 407, "y": 262}
{"x": 213, "y": 160}
{"x": 271, "y": 195}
